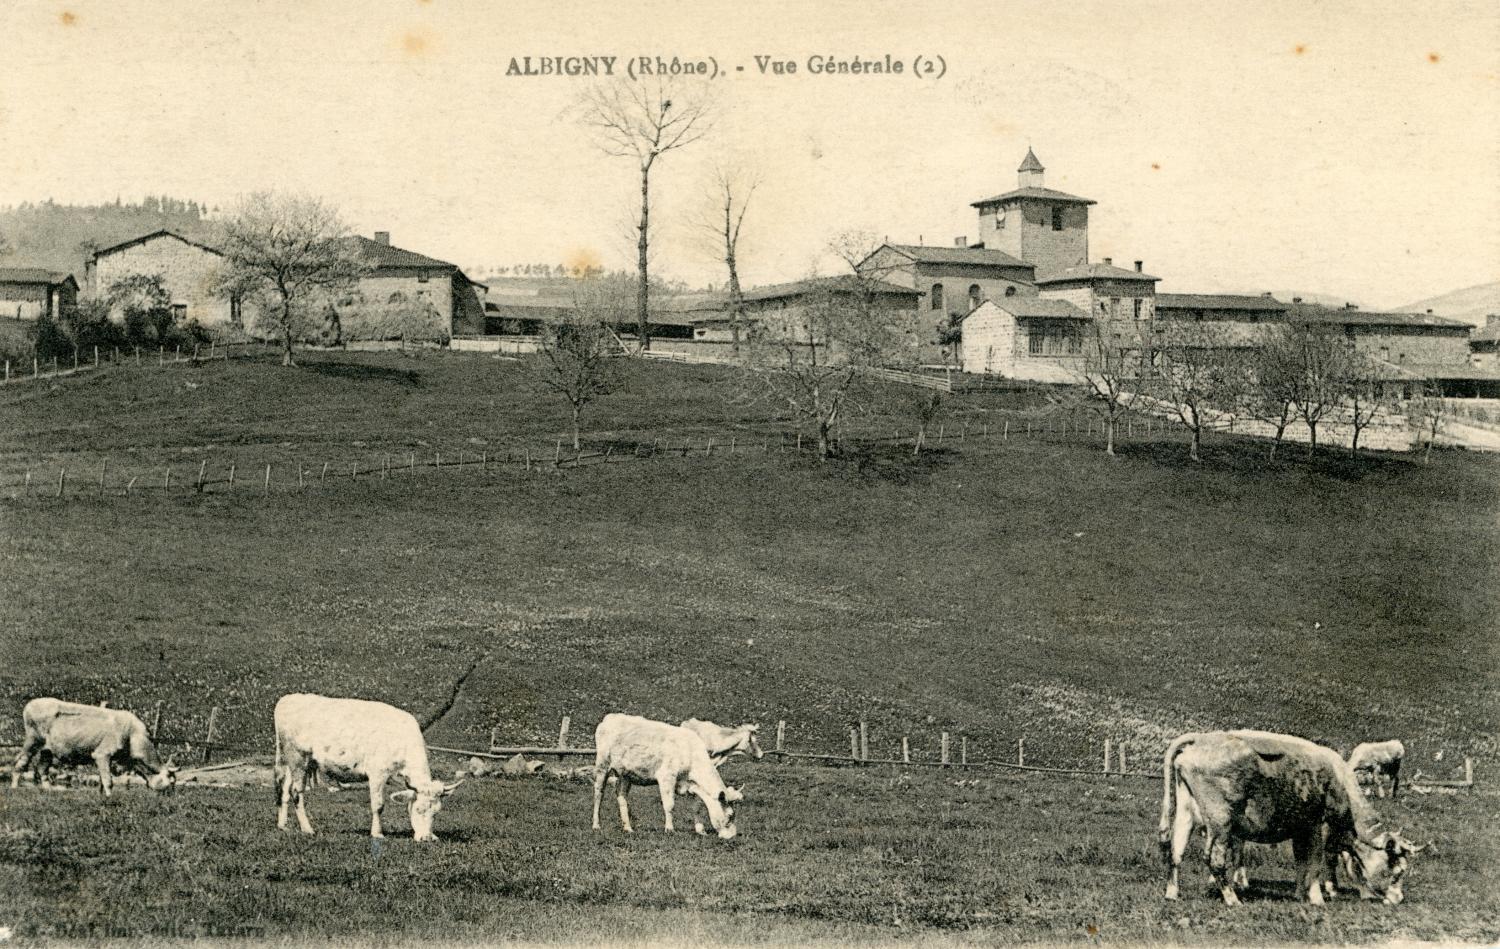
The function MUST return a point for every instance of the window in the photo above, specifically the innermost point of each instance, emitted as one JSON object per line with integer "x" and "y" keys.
{"x": 1385, "y": 353}
{"x": 236, "y": 314}
{"x": 1000, "y": 219}
{"x": 1137, "y": 304}
{"x": 1035, "y": 335}
{"x": 421, "y": 276}
{"x": 179, "y": 313}
{"x": 1114, "y": 307}
{"x": 397, "y": 297}
{"x": 976, "y": 296}
{"x": 1010, "y": 291}
{"x": 937, "y": 296}
{"x": 1075, "y": 341}
{"x": 1057, "y": 214}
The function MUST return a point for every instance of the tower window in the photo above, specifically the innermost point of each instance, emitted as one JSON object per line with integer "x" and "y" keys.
{"x": 1010, "y": 291}
{"x": 936, "y": 297}
{"x": 976, "y": 297}
{"x": 1057, "y": 214}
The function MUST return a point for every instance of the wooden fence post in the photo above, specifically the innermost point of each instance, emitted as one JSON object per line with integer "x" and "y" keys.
{"x": 864, "y": 740}
{"x": 267, "y": 486}
{"x": 412, "y": 463}
{"x": 1020, "y": 751}
{"x": 494, "y": 738}
{"x": 231, "y": 474}
{"x": 62, "y": 479}
{"x": 26, "y": 489}
{"x": 1005, "y": 432}
{"x": 156, "y": 720}
{"x": 300, "y": 472}
{"x": 854, "y": 743}
{"x": 202, "y": 470}
{"x": 1122, "y": 757}
{"x": 103, "y": 467}
{"x": 129, "y": 486}
{"x": 1106, "y": 755}
{"x": 353, "y": 471}
{"x": 799, "y": 443}
{"x": 96, "y": 357}
{"x": 905, "y": 750}
{"x": 437, "y": 459}
{"x": 528, "y": 459}
{"x": 323, "y": 476}
{"x": 1469, "y": 771}
{"x": 562, "y": 732}
{"x": 166, "y": 481}
{"x": 945, "y": 748}
{"x": 781, "y": 735}
{"x": 208, "y": 743}
{"x": 963, "y": 749}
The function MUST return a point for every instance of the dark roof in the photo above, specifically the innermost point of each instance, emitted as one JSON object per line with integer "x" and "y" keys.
{"x": 1094, "y": 272}
{"x": 152, "y": 236}
{"x": 1037, "y": 307}
{"x": 50, "y": 278}
{"x": 847, "y": 283}
{"x": 1031, "y": 163}
{"x": 1311, "y": 313}
{"x": 974, "y": 256}
{"x": 545, "y": 308}
{"x": 1045, "y": 194}
{"x": 385, "y": 256}
{"x": 1219, "y": 301}
{"x": 1489, "y": 333}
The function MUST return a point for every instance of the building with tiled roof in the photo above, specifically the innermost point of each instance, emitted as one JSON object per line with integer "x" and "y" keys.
{"x": 1401, "y": 339}
{"x": 29, "y": 293}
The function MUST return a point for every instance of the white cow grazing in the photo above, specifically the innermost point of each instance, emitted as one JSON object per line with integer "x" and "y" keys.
{"x": 724, "y": 743}
{"x": 642, "y": 751}
{"x": 1377, "y": 760}
{"x": 376, "y": 740}
{"x": 69, "y": 732}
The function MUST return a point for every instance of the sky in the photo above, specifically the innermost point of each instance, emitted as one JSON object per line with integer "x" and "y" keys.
{"x": 1340, "y": 148}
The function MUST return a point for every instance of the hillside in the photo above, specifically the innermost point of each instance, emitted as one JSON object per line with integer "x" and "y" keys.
{"x": 61, "y": 236}
{"x": 1471, "y": 304}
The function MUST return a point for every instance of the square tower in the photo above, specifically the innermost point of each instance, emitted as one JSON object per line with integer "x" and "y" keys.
{"x": 1048, "y": 229}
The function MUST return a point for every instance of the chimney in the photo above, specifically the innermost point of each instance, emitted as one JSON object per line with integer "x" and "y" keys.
{"x": 1490, "y": 319}
{"x": 961, "y": 241}
{"x": 1429, "y": 311}
{"x": 383, "y": 237}
{"x": 1350, "y": 306}
{"x": 1268, "y": 295}
{"x": 1296, "y": 299}
{"x": 1109, "y": 261}
{"x": 1138, "y": 265}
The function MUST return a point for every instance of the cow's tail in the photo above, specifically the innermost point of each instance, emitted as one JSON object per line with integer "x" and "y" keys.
{"x": 276, "y": 766}
{"x": 1169, "y": 787}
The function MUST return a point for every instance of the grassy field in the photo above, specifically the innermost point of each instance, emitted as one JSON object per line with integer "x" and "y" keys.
{"x": 995, "y": 589}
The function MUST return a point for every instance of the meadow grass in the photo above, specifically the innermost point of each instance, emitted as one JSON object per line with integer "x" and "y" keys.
{"x": 994, "y": 589}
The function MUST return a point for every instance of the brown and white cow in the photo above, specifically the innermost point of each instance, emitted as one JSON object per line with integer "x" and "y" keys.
{"x": 641, "y": 751}
{"x": 724, "y": 743}
{"x": 1376, "y": 762}
{"x": 72, "y": 733}
{"x": 374, "y": 739}
{"x": 1265, "y": 788}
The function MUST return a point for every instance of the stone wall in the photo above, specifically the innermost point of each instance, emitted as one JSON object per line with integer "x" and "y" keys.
{"x": 188, "y": 273}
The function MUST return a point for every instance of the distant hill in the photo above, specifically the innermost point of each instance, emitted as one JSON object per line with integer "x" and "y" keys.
{"x": 1470, "y": 304}
{"x": 62, "y": 236}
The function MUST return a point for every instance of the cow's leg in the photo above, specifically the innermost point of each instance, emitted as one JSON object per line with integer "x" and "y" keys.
{"x": 1182, "y": 832}
{"x": 622, "y": 789}
{"x": 1309, "y": 865}
{"x": 286, "y": 797}
{"x": 23, "y": 760}
{"x": 664, "y": 783}
{"x": 377, "y": 802}
{"x": 44, "y": 762}
{"x": 1220, "y": 868}
{"x": 299, "y": 788}
{"x": 1395, "y": 778}
{"x": 1240, "y": 879}
{"x": 601, "y": 775}
{"x": 101, "y": 759}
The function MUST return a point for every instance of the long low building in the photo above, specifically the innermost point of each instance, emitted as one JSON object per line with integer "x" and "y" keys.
{"x": 29, "y": 293}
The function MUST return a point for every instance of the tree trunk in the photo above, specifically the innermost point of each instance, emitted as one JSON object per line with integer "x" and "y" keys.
{"x": 824, "y": 444}
{"x": 1276, "y": 442}
{"x": 1312, "y": 438}
{"x": 286, "y": 333}
{"x": 736, "y": 302}
{"x": 642, "y": 295}
{"x": 1109, "y": 434}
{"x": 577, "y": 412}
{"x": 1196, "y": 442}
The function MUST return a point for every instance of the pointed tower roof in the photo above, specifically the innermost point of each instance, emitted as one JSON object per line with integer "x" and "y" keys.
{"x": 1031, "y": 163}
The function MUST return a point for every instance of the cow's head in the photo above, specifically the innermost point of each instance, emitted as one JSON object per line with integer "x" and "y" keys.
{"x": 423, "y": 801}
{"x": 164, "y": 779}
{"x": 1378, "y": 867}
{"x": 721, "y": 812}
{"x": 750, "y": 731}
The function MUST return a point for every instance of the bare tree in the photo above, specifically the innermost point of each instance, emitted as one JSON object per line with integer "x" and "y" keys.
{"x": 815, "y": 357}
{"x": 1271, "y": 386}
{"x": 1196, "y": 372}
{"x": 1109, "y": 371}
{"x": 1321, "y": 374}
{"x": 1362, "y": 390}
{"x": 1426, "y": 410}
{"x": 730, "y": 194}
{"x": 288, "y": 252}
{"x": 643, "y": 121}
{"x": 576, "y": 352}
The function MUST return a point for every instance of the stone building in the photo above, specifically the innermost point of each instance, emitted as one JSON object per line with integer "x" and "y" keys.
{"x": 1484, "y": 344}
{"x": 28, "y": 293}
{"x": 1411, "y": 340}
{"x": 1047, "y": 229}
{"x": 189, "y": 270}
{"x": 396, "y": 275}
{"x": 782, "y": 309}
{"x": 1026, "y": 337}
